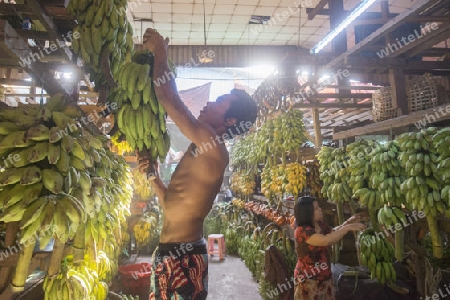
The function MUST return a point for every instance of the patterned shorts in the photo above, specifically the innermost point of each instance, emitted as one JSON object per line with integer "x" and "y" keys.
{"x": 180, "y": 271}
{"x": 311, "y": 289}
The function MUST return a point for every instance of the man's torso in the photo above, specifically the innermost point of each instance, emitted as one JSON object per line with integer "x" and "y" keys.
{"x": 190, "y": 194}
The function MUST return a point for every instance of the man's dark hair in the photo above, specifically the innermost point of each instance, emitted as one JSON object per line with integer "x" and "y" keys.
{"x": 244, "y": 110}
{"x": 304, "y": 211}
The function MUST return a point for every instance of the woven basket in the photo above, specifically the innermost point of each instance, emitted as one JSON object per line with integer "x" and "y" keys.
{"x": 382, "y": 108}
{"x": 424, "y": 93}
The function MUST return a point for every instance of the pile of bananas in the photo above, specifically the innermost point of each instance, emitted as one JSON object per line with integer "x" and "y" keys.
{"x": 145, "y": 229}
{"x": 422, "y": 188}
{"x": 376, "y": 254}
{"x": 441, "y": 142}
{"x": 143, "y": 188}
{"x": 313, "y": 178}
{"x": 105, "y": 40}
{"x": 141, "y": 118}
{"x": 387, "y": 175}
{"x": 294, "y": 178}
{"x": 76, "y": 281}
{"x": 243, "y": 183}
{"x": 390, "y": 217}
{"x": 238, "y": 203}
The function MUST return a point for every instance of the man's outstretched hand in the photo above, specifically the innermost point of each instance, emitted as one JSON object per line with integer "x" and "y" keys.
{"x": 154, "y": 42}
{"x": 145, "y": 164}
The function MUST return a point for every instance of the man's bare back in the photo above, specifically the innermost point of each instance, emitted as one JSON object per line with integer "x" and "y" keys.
{"x": 191, "y": 193}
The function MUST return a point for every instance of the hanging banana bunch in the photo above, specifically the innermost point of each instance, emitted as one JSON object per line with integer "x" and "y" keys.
{"x": 105, "y": 40}
{"x": 422, "y": 188}
{"x": 140, "y": 117}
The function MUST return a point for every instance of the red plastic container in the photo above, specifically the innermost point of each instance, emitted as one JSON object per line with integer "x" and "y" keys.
{"x": 135, "y": 278}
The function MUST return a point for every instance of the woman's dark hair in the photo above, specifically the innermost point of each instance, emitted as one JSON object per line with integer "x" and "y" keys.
{"x": 244, "y": 110}
{"x": 304, "y": 211}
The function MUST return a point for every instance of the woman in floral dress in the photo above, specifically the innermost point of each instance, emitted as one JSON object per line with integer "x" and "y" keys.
{"x": 313, "y": 239}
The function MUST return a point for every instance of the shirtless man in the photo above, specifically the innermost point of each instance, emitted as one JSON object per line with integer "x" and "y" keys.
{"x": 180, "y": 264}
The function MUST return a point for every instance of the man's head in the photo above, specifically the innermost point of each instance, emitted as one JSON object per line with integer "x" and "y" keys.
{"x": 232, "y": 113}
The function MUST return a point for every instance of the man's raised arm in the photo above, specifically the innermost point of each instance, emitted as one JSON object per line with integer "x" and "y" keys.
{"x": 167, "y": 94}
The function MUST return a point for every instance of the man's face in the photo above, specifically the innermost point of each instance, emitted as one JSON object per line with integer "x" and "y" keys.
{"x": 214, "y": 112}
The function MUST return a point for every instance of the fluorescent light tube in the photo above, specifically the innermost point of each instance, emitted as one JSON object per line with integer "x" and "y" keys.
{"x": 332, "y": 34}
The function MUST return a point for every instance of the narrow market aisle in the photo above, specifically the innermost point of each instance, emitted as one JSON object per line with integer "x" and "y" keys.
{"x": 230, "y": 279}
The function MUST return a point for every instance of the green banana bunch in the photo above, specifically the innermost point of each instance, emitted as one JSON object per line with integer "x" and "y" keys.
{"x": 423, "y": 186}
{"x": 376, "y": 254}
{"x": 140, "y": 117}
{"x": 105, "y": 39}
{"x": 441, "y": 142}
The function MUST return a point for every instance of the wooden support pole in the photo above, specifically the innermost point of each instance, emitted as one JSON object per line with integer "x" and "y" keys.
{"x": 10, "y": 240}
{"x": 398, "y": 84}
{"x": 315, "y": 11}
{"x": 317, "y": 131}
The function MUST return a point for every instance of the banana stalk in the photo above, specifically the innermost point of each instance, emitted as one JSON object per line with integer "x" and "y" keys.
{"x": 435, "y": 236}
{"x": 399, "y": 244}
{"x": 23, "y": 264}
{"x": 56, "y": 257}
{"x": 79, "y": 243}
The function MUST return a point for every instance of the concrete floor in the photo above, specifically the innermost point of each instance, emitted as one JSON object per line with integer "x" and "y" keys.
{"x": 229, "y": 279}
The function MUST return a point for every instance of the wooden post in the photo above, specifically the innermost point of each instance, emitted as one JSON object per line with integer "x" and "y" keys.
{"x": 10, "y": 240}
{"x": 339, "y": 43}
{"x": 317, "y": 131}
{"x": 398, "y": 83}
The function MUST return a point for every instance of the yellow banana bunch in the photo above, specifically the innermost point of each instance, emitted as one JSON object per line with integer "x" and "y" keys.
{"x": 142, "y": 185}
{"x": 243, "y": 183}
{"x": 313, "y": 178}
{"x": 238, "y": 203}
{"x": 272, "y": 179}
{"x": 145, "y": 229}
{"x": 122, "y": 146}
{"x": 376, "y": 254}
{"x": 295, "y": 178}
{"x": 76, "y": 281}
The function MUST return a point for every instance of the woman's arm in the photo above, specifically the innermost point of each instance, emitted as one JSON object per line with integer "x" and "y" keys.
{"x": 322, "y": 240}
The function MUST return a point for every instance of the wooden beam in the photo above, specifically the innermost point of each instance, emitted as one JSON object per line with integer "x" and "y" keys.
{"x": 17, "y": 82}
{"x": 353, "y": 87}
{"x": 398, "y": 84}
{"x": 426, "y": 40}
{"x": 398, "y": 63}
{"x": 336, "y": 95}
{"x": 7, "y": 9}
{"x": 315, "y": 11}
{"x": 427, "y": 117}
{"x": 332, "y": 105}
{"x": 49, "y": 26}
{"x": 390, "y": 26}
{"x": 33, "y": 34}
{"x": 419, "y": 19}
{"x": 16, "y": 48}
{"x": 435, "y": 52}
{"x": 365, "y": 15}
